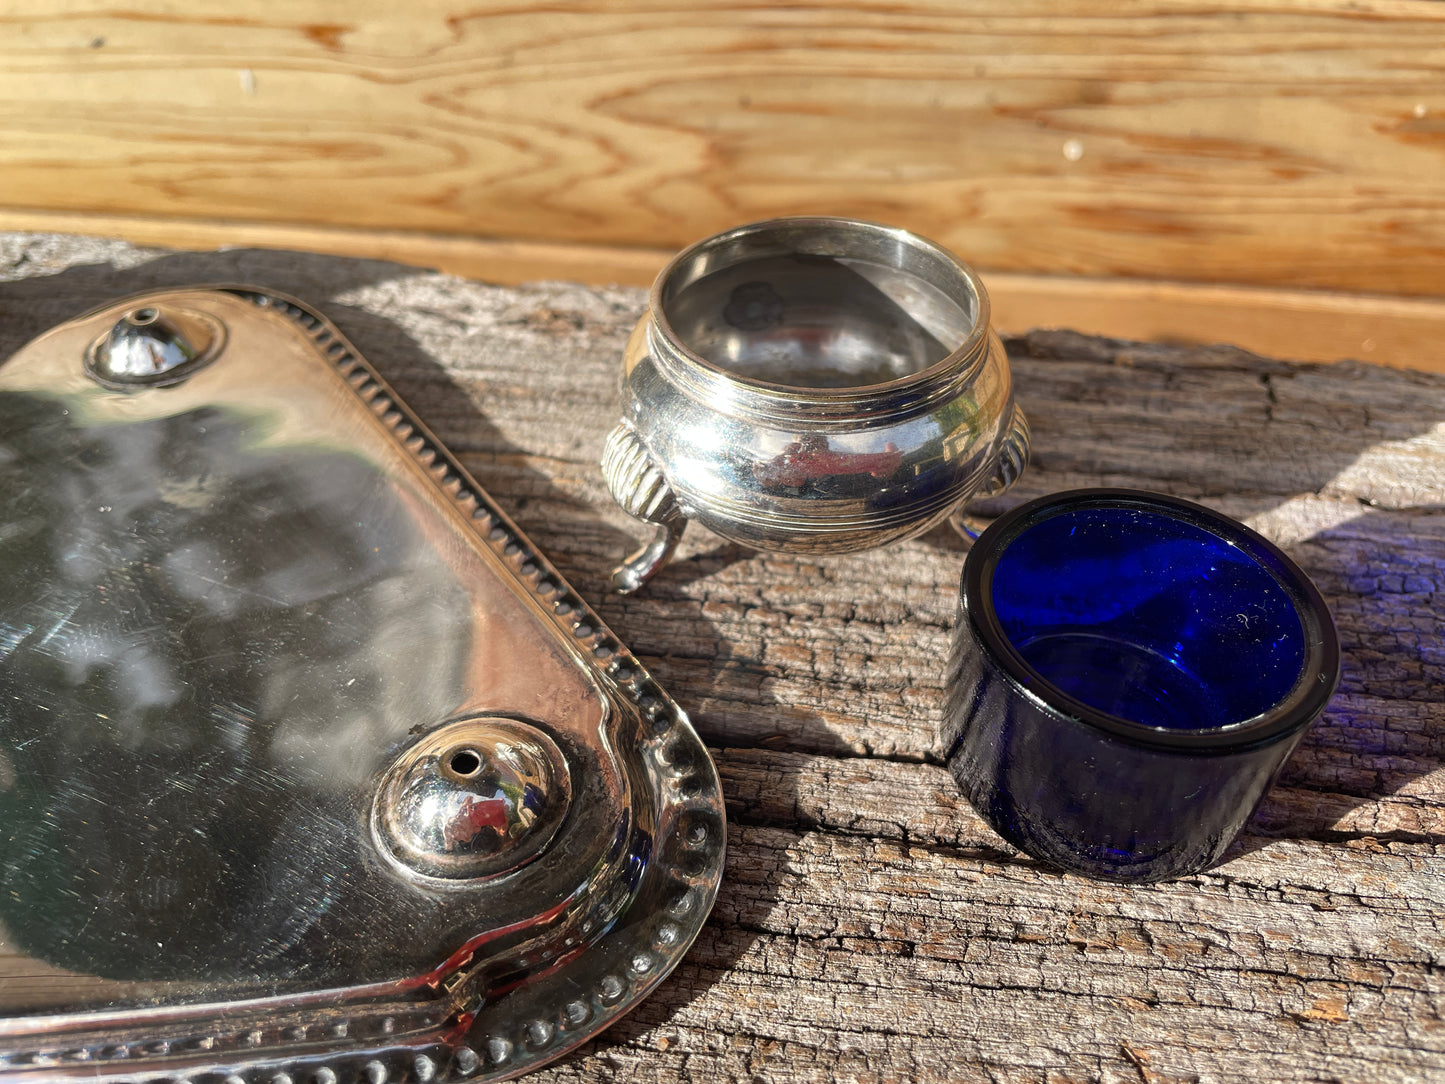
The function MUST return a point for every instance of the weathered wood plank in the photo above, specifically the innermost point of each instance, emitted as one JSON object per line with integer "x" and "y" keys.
{"x": 871, "y": 927}
{"x": 1250, "y": 141}
{"x": 946, "y": 965}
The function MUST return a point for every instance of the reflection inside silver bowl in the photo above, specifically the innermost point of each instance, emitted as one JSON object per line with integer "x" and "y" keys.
{"x": 817, "y": 321}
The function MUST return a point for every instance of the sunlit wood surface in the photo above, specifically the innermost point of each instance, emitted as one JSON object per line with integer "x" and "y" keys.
{"x": 1247, "y": 142}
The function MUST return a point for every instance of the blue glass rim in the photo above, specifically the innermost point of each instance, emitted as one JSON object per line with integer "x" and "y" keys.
{"x": 1319, "y": 674}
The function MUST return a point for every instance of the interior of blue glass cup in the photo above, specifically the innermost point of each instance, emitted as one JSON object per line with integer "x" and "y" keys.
{"x": 1149, "y": 618}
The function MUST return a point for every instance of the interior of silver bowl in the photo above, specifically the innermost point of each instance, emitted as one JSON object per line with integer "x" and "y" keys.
{"x": 818, "y": 303}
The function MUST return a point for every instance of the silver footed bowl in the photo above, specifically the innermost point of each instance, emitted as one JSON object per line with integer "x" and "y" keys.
{"x": 811, "y": 385}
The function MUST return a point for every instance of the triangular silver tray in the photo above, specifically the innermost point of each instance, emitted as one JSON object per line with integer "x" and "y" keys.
{"x": 312, "y": 768}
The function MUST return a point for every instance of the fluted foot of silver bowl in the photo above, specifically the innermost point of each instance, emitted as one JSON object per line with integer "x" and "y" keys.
{"x": 1013, "y": 458}
{"x": 643, "y": 493}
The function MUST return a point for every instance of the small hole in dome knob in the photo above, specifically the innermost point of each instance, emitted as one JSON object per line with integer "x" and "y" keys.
{"x": 474, "y": 798}
{"x": 465, "y": 762}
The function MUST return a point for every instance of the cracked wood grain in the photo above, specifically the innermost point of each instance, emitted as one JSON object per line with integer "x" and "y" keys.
{"x": 871, "y": 927}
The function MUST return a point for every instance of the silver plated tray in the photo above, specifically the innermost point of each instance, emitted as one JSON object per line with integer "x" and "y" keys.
{"x": 312, "y": 768}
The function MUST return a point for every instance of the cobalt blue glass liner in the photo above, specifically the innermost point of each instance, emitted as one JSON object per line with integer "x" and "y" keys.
{"x": 1130, "y": 671}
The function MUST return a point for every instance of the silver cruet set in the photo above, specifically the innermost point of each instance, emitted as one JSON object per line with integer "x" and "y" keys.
{"x": 313, "y": 769}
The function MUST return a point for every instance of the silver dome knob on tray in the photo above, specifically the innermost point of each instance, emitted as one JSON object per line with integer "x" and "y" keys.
{"x": 811, "y": 385}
